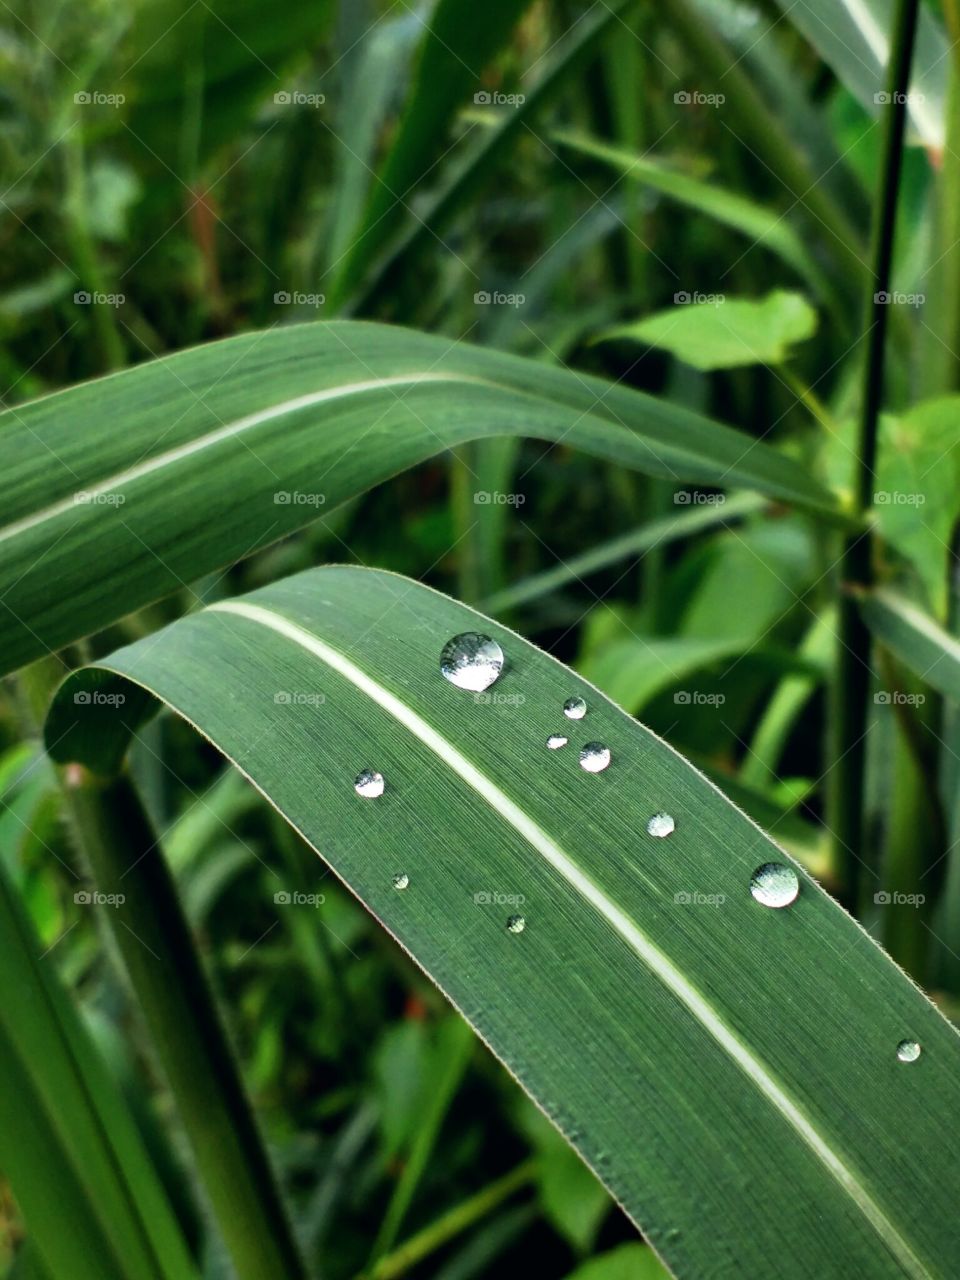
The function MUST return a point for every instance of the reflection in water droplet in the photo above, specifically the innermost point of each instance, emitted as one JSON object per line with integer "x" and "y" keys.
{"x": 369, "y": 784}
{"x": 908, "y": 1051}
{"x": 575, "y": 708}
{"x": 516, "y": 924}
{"x": 471, "y": 661}
{"x": 401, "y": 881}
{"x": 774, "y": 885}
{"x": 661, "y": 824}
{"x": 594, "y": 757}
{"x": 556, "y": 740}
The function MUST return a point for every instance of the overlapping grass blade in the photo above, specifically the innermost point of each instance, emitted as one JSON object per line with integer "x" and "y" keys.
{"x": 916, "y": 638}
{"x": 730, "y": 1071}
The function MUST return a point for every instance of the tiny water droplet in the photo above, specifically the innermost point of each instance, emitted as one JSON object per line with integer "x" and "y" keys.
{"x": 401, "y": 881}
{"x": 908, "y": 1051}
{"x": 774, "y": 885}
{"x": 557, "y": 740}
{"x": 369, "y": 784}
{"x": 516, "y": 924}
{"x": 471, "y": 661}
{"x": 575, "y": 708}
{"x": 594, "y": 757}
{"x": 661, "y": 824}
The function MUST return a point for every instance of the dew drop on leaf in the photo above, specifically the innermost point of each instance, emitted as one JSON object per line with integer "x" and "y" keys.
{"x": 401, "y": 881}
{"x": 369, "y": 784}
{"x": 471, "y": 661}
{"x": 661, "y": 824}
{"x": 575, "y": 708}
{"x": 594, "y": 757}
{"x": 908, "y": 1051}
{"x": 556, "y": 740}
{"x": 774, "y": 885}
{"x": 516, "y": 924}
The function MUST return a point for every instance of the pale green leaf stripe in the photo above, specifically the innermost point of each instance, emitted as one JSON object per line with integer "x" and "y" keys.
{"x": 653, "y": 957}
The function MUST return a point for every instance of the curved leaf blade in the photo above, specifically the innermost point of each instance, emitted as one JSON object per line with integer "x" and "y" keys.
{"x": 675, "y": 1030}
{"x": 259, "y": 433}
{"x": 918, "y": 640}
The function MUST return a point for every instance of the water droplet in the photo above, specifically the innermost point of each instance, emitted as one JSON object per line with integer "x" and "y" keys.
{"x": 369, "y": 784}
{"x": 908, "y": 1051}
{"x": 575, "y": 708}
{"x": 594, "y": 757}
{"x": 774, "y": 885}
{"x": 401, "y": 881}
{"x": 557, "y": 740}
{"x": 661, "y": 824}
{"x": 516, "y": 924}
{"x": 471, "y": 661}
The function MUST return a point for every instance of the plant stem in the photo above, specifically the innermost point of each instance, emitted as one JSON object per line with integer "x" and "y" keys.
{"x": 154, "y": 940}
{"x": 852, "y": 676}
{"x": 452, "y": 1223}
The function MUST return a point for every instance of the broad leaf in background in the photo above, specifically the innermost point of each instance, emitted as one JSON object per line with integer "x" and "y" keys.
{"x": 533, "y": 893}
{"x": 262, "y": 433}
{"x": 917, "y": 640}
{"x": 725, "y": 333}
{"x": 628, "y": 1262}
{"x": 853, "y": 37}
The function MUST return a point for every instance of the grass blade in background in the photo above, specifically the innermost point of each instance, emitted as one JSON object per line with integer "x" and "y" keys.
{"x": 645, "y": 964}
{"x": 918, "y": 640}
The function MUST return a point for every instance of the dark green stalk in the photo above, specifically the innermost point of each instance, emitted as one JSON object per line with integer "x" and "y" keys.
{"x": 852, "y": 677}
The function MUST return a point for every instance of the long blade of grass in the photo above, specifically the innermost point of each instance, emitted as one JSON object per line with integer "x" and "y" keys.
{"x": 665, "y": 1020}
{"x": 918, "y": 640}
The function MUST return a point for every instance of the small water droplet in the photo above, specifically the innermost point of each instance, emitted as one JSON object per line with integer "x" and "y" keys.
{"x": 471, "y": 661}
{"x": 774, "y": 885}
{"x": 661, "y": 824}
{"x": 401, "y": 881}
{"x": 594, "y": 757}
{"x": 557, "y": 740}
{"x": 908, "y": 1051}
{"x": 516, "y": 924}
{"x": 369, "y": 784}
{"x": 575, "y": 708}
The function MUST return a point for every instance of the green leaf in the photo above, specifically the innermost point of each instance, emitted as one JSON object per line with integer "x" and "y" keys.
{"x": 671, "y": 1026}
{"x": 260, "y": 434}
{"x": 571, "y": 1197}
{"x": 628, "y": 1262}
{"x": 724, "y": 333}
{"x": 917, "y": 639}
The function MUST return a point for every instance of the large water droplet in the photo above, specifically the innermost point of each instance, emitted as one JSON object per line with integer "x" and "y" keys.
{"x": 369, "y": 784}
{"x": 575, "y": 708}
{"x": 908, "y": 1051}
{"x": 471, "y": 661}
{"x": 401, "y": 881}
{"x": 556, "y": 741}
{"x": 661, "y": 824}
{"x": 774, "y": 885}
{"x": 516, "y": 924}
{"x": 594, "y": 757}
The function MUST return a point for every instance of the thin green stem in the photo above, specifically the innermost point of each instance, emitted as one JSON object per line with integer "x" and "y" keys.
{"x": 852, "y": 676}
